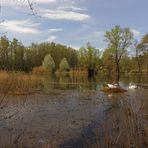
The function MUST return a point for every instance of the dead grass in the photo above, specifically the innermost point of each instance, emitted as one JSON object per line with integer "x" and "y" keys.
{"x": 123, "y": 127}
{"x": 78, "y": 72}
{"x": 18, "y": 83}
{"x": 40, "y": 71}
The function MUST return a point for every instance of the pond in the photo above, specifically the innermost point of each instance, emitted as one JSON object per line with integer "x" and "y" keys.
{"x": 73, "y": 112}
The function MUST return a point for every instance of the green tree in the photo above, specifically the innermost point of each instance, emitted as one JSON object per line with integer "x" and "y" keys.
{"x": 16, "y": 55}
{"x": 89, "y": 58}
{"x": 49, "y": 63}
{"x": 126, "y": 64}
{"x": 108, "y": 62}
{"x": 119, "y": 39}
{"x": 4, "y": 52}
{"x": 142, "y": 47}
{"x": 57, "y": 52}
{"x": 64, "y": 65}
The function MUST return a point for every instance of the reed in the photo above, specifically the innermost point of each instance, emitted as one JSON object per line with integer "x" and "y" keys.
{"x": 18, "y": 83}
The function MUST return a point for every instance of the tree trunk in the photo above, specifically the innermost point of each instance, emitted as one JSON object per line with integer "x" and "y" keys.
{"x": 117, "y": 73}
{"x": 139, "y": 67}
{"x": 91, "y": 72}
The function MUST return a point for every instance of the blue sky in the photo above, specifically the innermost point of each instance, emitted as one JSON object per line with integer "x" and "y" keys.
{"x": 72, "y": 22}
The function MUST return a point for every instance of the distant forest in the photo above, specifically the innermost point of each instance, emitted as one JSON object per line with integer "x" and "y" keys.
{"x": 14, "y": 56}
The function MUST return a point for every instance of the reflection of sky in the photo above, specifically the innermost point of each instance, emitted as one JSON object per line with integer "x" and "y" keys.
{"x": 72, "y": 22}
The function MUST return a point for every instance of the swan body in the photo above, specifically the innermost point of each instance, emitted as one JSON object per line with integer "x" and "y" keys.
{"x": 132, "y": 86}
{"x": 112, "y": 86}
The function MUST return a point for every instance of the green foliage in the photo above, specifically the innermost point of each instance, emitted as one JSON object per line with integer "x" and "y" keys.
{"x": 119, "y": 39}
{"x": 108, "y": 61}
{"x": 17, "y": 55}
{"x": 89, "y": 57}
{"x": 14, "y": 56}
{"x": 142, "y": 49}
{"x": 64, "y": 65}
{"x": 143, "y": 45}
{"x": 48, "y": 63}
{"x": 4, "y": 52}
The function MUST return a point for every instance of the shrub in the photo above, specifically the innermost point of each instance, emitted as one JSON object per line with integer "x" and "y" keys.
{"x": 64, "y": 65}
{"x": 48, "y": 63}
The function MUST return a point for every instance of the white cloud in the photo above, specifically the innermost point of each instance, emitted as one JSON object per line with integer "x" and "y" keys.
{"x": 75, "y": 47}
{"x": 55, "y": 30}
{"x": 65, "y": 15}
{"x": 65, "y": 10}
{"x": 70, "y": 7}
{"x": 22, "y": 27}
{"x": 25, "y": 2}
{"x": 8, "y": 2}
{"x": 136, "y": 32}
{"x": 44, "y": 1}
{"x": 61, "y": 10}
{"x": 50, "y": 38}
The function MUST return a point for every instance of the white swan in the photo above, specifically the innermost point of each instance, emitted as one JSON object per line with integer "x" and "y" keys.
{"x": 132, "y": 86}
{"x": 112, "y": 86}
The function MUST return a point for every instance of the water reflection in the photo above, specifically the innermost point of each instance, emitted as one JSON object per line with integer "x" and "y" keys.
{"x": 96, "y": 83}
{"x": 68, "y": 113}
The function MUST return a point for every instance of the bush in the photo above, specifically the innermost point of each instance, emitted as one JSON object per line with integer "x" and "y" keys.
{"x": 64, "y": 65}
{"x": 48, "y": 63}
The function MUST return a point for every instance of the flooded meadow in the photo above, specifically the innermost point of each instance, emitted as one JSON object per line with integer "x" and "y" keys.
{"x": 67, "y": 111}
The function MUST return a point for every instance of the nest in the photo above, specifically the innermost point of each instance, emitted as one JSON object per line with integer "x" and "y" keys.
{"x": 113, "y": 90}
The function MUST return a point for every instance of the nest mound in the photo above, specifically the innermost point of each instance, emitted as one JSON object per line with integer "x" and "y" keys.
{"x": 113, "y": 90}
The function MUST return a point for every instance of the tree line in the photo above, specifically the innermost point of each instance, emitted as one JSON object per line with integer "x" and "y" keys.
{"x": 14, "y": 56}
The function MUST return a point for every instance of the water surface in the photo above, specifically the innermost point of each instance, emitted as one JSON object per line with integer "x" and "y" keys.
{"x": 74, "y": 112}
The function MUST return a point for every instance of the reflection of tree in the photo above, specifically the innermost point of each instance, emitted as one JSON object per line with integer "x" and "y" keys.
{"x": 64, "y": 82}
{"x": 92, "y": 83}
{"x": 47, "y": 83}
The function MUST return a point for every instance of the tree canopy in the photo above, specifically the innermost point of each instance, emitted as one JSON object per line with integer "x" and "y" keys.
{"x": 64, "y": 65}
{"x": 89, "y": 58}
{"x": 14, "y": 56}
{"x": 119, "y": 39}
{"x": 49, "y": 63}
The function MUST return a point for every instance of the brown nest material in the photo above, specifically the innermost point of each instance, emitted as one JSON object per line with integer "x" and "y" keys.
{"x": 113, "y": 90}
